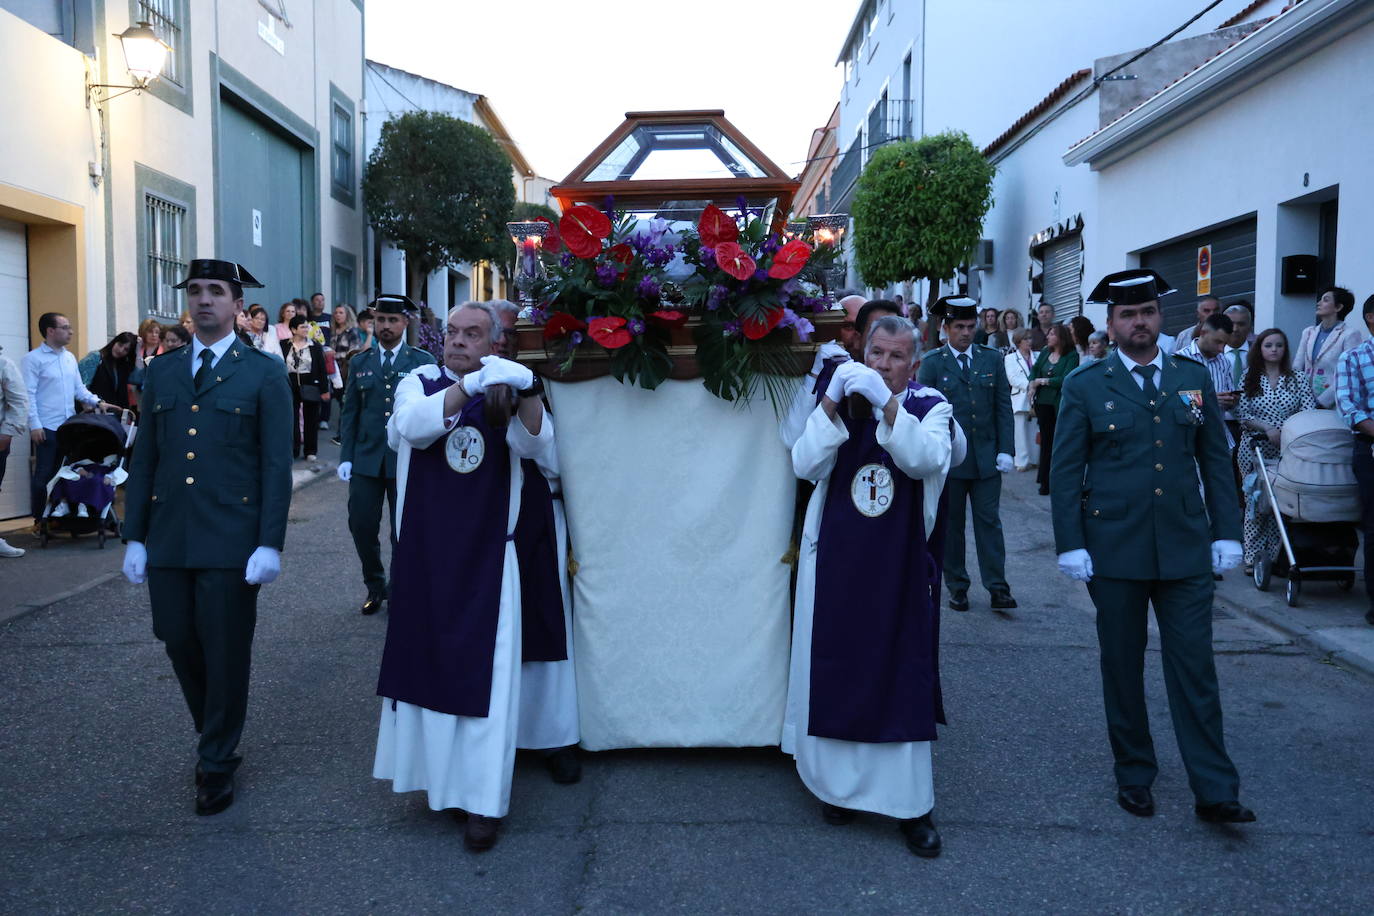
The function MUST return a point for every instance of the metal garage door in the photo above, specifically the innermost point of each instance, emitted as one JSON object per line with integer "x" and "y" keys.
{"x": 262, "y": 189}
{"x": 14, "y": 337}
{"x": 1233, "y": 270}
{"x": 1063, "y": 277}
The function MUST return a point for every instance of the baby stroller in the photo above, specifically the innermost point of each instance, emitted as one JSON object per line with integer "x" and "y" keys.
{"x": 1311, "y": 492}
{"x": 91, "y": 448}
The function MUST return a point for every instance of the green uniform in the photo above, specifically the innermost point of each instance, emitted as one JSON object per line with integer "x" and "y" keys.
{"x": 362, "y": 436}
{"x": 981, "y": 399}
{"x": 1125, "y": 487}
{"x": 209, "y": 483}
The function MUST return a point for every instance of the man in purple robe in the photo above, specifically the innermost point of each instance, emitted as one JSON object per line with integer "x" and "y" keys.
{"x": 864, "y": 691}
{"x": 450, "y": 677}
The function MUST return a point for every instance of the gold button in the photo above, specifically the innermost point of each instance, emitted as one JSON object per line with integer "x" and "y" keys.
{"x": 154, "y": 497}
{"x": 157, "y": 407}
{"x": 1159, "y": 467}
{"x": 1159, "y": 443}
{"x": 190, "y": 456}
{"x": 1097, "y": 512}
{"x": 191, "y": 431}
{"x": 1157, "y": 419}
{"x": 1158, "y": 492}
{"x": 388, "y": 385}
{"x": 195, "y": 408}
{"x": 218, "y": 379}
{"x": 245, "y": 499}
{"x": 190, "y": 480}
{"x": 387, "y": 414}
{"x": 1111, "y": 427}
{"x": 236, "y": 410}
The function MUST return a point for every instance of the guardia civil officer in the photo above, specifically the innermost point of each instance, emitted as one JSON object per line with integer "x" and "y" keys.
{"x": 366, "y": 462}
{"x": 208, "y": 493}
{"x": 1137, "y": 432}
{"x": 973, "y": 378}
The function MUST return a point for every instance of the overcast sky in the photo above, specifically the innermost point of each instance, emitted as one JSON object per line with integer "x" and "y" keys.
{"x": 562, "y": 73}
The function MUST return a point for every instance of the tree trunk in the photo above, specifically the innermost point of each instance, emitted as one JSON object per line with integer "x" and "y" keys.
{"x": 932, "y": 323}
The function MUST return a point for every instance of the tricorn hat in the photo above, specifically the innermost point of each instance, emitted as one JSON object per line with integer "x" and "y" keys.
{"x": 393, "y": 304}
{"x": 1129, "y": 287}
{"x": 210, "y": 269}
{"x": 955, "y": 308}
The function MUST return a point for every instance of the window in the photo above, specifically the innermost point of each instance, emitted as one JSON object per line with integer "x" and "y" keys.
{"x": 164, "y": 17}
{"x": 165, "y": 223}
{"x": 343, "y": 149}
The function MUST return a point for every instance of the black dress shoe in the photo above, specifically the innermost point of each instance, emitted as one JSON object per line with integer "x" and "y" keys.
{"x": 1136, "y": 800}
{"x": 480, "y": 834}
{"x": 215, "y": 793}
{"x": 958, "y": 601}
{"x": 373, "y": 604}
{"x": 1002, "y": 600}
{"x": 836, "y": 815}
{"x": 1229, "y": 812}
{"x": 921, "y": 836}
{"x": 564, "y": 765}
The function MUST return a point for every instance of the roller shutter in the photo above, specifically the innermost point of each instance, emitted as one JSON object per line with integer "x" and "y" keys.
{"x": 1063, "y": 277}
{"x": 1233, "y": 270}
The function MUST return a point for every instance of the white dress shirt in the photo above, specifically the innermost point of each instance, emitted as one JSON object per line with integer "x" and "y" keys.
{"x": 54, "y": 383}
{"x": 1130, "y": 364}
{"x": 218, "y": 348}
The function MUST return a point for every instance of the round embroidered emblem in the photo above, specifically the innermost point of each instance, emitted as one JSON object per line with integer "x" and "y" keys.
{"x": 465, "y": 449}
{"x": 872, "y": 490}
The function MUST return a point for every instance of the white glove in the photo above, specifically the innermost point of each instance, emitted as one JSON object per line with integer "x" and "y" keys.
{"x": 827, "y": 350}
{"x": 1076, "y": 564}
{"x": 839, "y": 380}
{"x": 1004, "y": 464}
{"x": 263, "y": 566}
{"x": 868, "y": 383}
{"x": 136, "y": 562}
{"x": 345, "y": 470}
{"x": 499, "y": 371}
{"x": 1226, "y": 555}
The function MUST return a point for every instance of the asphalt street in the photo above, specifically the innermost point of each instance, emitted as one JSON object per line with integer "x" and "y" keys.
{"x": 96, "y": 787}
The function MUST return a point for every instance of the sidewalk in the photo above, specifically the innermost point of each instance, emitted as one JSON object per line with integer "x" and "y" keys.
{"x": 68, "y": 567}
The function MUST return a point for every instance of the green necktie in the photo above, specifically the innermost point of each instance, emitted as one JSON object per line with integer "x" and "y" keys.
{"x": 1240, "y": 367}
{"x": 1148, "y": 374}
{"x": 203, "y": 373}
{"x": 386, "y": 363}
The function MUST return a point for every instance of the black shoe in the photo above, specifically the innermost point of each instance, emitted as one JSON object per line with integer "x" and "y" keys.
{"x": 215, "y": 793}
{"x": 1230, "y": 812}
{"x": 1369, "y": 617}
{"x": 564, "y": 765}
{"x": 1136, "y": 800}
{"x": 1002, "y": 600}
{"x": 336, "y": 440}
{"x": 373, "y": 604}
{"x": 1216, "y": 577}
{"x": 480, "y": 834}
{"x": 1044, "y": 491}
{"x": 200, "y": 776}
{"x": 921, "y": 836}
{"x": 958, "y": 601}
{"x": 836, "y": 815}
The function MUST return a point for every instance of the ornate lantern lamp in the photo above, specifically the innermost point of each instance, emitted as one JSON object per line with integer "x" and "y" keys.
{"x": 529, "y": 241}
{"x": 827, "y": 232}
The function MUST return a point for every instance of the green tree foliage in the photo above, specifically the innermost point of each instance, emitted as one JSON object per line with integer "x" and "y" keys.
{"x": 526, "y": 211}
{"x": 440, "y": 189}
{"x": 919, "y": 208}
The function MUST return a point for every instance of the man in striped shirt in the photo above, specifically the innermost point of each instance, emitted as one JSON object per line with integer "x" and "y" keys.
{"x": 1355, "y": 401}
{"x": 1209, "y": 348}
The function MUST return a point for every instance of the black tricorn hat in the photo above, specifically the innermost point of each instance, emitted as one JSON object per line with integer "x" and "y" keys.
{"x": 210, "y": 269}
{"x": 955, "y": 308}
{"x": 1129, "y": 287}
{"x": 393, "y": 304}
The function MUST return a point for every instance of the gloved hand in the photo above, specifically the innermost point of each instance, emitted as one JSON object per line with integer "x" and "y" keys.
{"x": 1226, "y": 555}
{"x": 839, "y": 380}
{"x": 1004, "y": 463}
{"x": 869, "y": 384}
{"x": 1076, "y": 564}
{"x": 136, "y": 562}
{"x": 497, "y": 370}
{"x": 345, "y": 470}
{"x": 263, "y": 566}
{"x": 827, "y": 350}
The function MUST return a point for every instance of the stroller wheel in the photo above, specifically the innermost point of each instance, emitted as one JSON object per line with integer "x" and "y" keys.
{"x": 1262, "y": 570}
{"x": 1346, "y": 583}
{"x": 1294, "y": 588}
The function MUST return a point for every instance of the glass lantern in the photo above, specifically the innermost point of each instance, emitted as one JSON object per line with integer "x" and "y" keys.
{"x": 529, "y": 267}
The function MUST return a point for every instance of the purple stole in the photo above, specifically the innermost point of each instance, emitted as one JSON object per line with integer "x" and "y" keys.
{"x": 875, "y": 633}
{"x": 543, "y": 637}
{"x": 446, "y": 572}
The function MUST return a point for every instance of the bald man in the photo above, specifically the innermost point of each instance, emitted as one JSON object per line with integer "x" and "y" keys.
{"x": 850, "y": 337}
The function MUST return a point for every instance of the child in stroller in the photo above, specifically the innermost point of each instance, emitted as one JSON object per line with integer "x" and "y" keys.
{"x": 93, "y": 449}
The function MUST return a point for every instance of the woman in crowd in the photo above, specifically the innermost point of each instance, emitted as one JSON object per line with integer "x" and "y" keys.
{"x": 174, "y": 337}
{"x": 1056, "y": 361}
{"x": 1019, "y": 366}
{"x": 309, "y": 386}
{"x": 1098, "y": 345}
{"x": 257, "y": 328}
{"x": 1323, "y": 343}
{"x": 344, "y": 335}
{"x": 1270, "y": 394}
{"x": 284, "y": 316}
{"x": 1009, "y": 322}
{"x": 114, "y": 369}
{"x": 149, "y": 341}
{"x": 1082, "y": 330}
{"x": 987, "y": 327}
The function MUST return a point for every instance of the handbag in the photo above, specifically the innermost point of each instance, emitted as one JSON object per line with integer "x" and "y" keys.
{"x": 310, "y": 394}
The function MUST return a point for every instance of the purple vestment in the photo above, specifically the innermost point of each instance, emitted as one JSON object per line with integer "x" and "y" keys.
{"x": 543, "y": 635}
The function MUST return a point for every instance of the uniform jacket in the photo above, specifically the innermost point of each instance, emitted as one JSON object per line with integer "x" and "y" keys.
{"x": 982, "y": 406}
{"x": 367, "y": 404}
{"x": 1125, "y": 474}
{"x": 210, "y": 479}
{"x": 1343, "y": 337}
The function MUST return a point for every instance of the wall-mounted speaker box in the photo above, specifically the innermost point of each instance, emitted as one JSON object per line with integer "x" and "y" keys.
{"x": 1299, "y": 274}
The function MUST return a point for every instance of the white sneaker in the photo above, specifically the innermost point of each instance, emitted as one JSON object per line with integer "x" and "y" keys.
{"x": 7, "y": 551}
{"x": 82, "y": 511}
{"x": 61, "y": 511}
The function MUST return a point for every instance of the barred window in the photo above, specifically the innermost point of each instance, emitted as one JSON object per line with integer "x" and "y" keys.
{"x": 166, "y": 224}
{"x": 342, "y": 157}
{"x": 164, "y": 17}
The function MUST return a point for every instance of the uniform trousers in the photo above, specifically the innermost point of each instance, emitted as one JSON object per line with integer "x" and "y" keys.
{"x": 365, "y": 497}
{"x": 1183, "y": 610}
{"x": 206, "y": 618}
{"x": 985, "y": 496}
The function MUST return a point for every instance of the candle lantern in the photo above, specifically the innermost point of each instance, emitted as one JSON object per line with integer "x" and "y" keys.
{"x": 827, "y": 232}
{"x": 528, "y": 237}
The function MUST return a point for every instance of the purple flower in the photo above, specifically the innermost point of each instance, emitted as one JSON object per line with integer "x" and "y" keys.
{"x": 606, "y": 274}
{"x": 760, "y": 274}
{"x": 636, "y": 326}
{"x": 649, "y": 289}
{"x": 658, "y": 256}
{"x": 566, "y": 259}
{"x": 715, "y": 298}
{"x": 538, "y": 314}
{"x": 742, "y": 205}
{"x": 707, "y": 256}
{"x": 791, "y": 319}
{"x": 575, "y": 337}
{"x": 731, "y": 329}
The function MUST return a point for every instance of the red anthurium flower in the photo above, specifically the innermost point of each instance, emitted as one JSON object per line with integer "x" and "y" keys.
{"x": 789, "y": 260}
{"x": 582, "y": 228}
{"x": 561, "y": 324}
{"x": 622, "y": 253}
{"x": 733, "y": 260}
{"x": 551, "y": 240}
{"x": 716, "y": 226}
{"x": 609, "y": 332}
{"x": 668, "y": 318}
{"x": 759, "y": 325}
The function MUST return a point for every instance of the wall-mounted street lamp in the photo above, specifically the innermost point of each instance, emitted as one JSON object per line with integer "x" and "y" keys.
{"x": 144, "y": 55}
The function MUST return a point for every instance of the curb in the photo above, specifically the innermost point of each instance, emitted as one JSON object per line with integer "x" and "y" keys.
{"x": 305, "y": 479}
{"x": 1303, "y": 636}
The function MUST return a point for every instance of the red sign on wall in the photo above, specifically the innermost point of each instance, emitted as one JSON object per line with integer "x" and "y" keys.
{"x": 1204, "y": 270}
